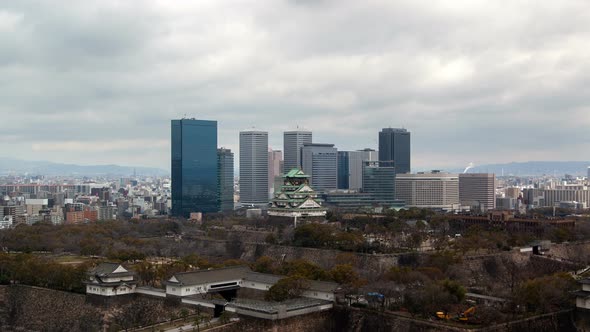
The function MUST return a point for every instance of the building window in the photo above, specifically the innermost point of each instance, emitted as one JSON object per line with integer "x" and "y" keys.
{"x": 188, "y": 290}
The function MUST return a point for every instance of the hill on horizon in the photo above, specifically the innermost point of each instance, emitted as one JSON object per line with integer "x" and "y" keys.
{"x": 532, "y": 168}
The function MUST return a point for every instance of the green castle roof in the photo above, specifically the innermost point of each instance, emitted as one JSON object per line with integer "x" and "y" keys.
{"x": 296, "y": 173}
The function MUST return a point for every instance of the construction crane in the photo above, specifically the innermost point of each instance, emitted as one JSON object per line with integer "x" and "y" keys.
{"x": 443, "y": 315}
{"x": 464, "y": 316}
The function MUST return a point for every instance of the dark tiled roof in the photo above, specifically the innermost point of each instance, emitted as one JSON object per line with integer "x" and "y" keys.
{"x": 104, "y": 268}
{"x": 207, "y": 276}
{"x": 263, "y": 277}
{"x": 107, "y": 269}
{"x": 322, "y": 286}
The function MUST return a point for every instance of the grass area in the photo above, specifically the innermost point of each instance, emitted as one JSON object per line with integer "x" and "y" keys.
{"x": 70, "y": 259}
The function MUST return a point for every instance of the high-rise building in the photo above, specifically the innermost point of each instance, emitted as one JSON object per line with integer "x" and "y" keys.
{"x": 344, "y": 169}
{"x": 379, "y": 181}
{"x": 478, "y": 189}
{"x": 275, "y": 161}
{"x": 254, "y": 168}
{"x": 588, "y": 176}
{"x": 394, "y": 144}
{"x": 194, "y": 167}
{"x": 292, "y": 143}
{"x": 435, "y": 190}
{"x": 320, "y": 162}
{"x": 350, "y": 167}
{"x": 225, "y": 169}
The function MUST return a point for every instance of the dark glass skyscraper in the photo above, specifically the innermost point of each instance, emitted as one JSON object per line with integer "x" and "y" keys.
{"x": 195, "y": 186}
{"x": 394, "y": 144}
{"x": 225, "y": 167}
{"x": 343, "y": 169}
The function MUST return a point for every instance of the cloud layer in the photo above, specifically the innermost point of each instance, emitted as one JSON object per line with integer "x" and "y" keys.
{"x": 483, "y": 81}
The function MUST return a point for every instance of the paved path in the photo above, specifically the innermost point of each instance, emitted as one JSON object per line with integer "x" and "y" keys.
{"x": 190, "y": 327}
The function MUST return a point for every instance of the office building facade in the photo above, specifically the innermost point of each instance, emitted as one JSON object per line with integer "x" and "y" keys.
{"x": 194, "y": 167}
{"x": 350, "y": 167}
{"x": 553, "y": 197}
{"x": 275, "y": 168}
{"x": 225, "y": 169}
{"x": 394, "y": 144}
{"x": 254, "y": 168}
{"x": 293, "y": 141}
{"x": 435, "y": 190}
{"x": 320, "y": 162}
{"x": 379, "y": 181}
{"x": 478, "y": 190}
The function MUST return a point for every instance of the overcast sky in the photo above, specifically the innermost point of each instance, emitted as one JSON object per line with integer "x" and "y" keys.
{"x": 96, "y": 82}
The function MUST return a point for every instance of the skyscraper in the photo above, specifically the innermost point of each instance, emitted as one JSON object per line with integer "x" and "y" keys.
{"x": 350, "y": 167}
{"x": 254, "y": 168}
{"x": 225, "y": 168}
{"x": 344, "y": 169}
{"x": 394, "y": 144}
{"x": 379, "y": 181}
{"x": 194, "y": 167}
{"x": 478, "y": 189}
{"x": 292, "y": 143}
{"x": 275, "y": 161}
{"x": 320, "y": 162}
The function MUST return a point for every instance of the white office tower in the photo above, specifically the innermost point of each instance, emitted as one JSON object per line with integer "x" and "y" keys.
{"x": 292, "y": 143}
{"x": 254, "y": 168}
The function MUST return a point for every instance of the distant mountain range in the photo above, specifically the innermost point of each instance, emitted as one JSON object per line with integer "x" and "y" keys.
{"x": 533, "y": 168}
{"x": 15, "y": 166}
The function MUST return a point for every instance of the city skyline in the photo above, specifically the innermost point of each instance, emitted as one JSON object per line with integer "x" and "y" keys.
{"x": 125, "y": 68}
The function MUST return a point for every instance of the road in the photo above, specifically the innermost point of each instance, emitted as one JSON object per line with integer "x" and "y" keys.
{"x": 190, "y": 327}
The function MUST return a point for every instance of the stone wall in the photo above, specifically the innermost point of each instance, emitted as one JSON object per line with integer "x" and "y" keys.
{"x": 41, "y": 309}
{"x": 345, "y": 319}
{"x": 325, "y": 258}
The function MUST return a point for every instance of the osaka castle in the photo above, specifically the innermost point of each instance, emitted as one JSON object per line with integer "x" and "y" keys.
{"x": 296, "y": 199}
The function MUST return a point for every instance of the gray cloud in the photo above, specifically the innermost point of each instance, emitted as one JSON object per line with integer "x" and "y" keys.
{"x": 481, "y": 81}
